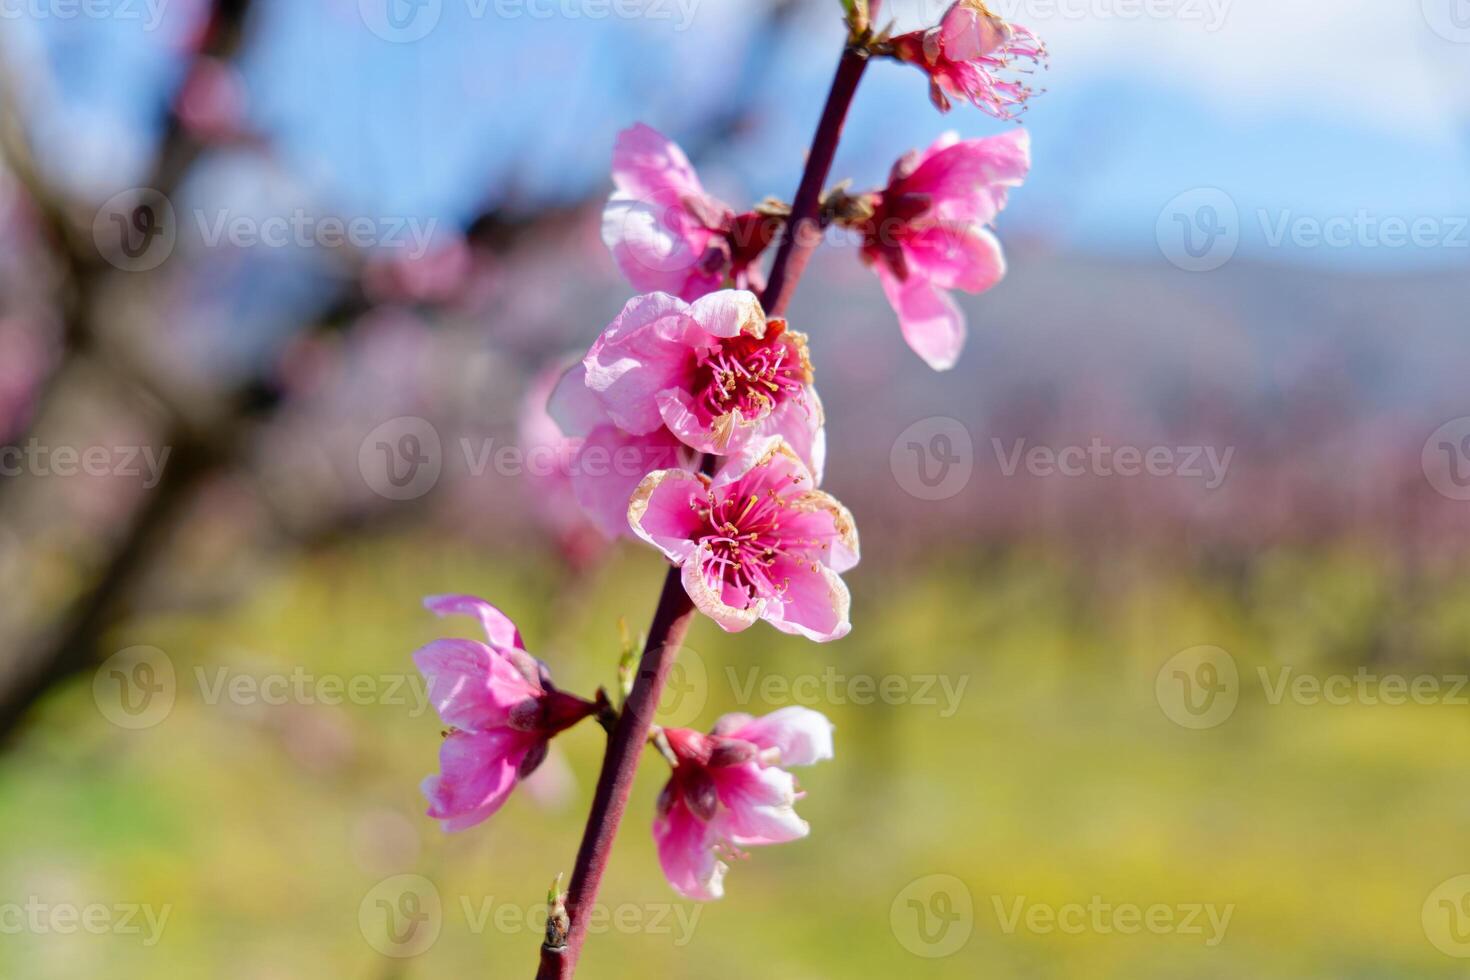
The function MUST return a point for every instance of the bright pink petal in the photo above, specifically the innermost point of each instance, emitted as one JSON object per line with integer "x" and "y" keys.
{"x": 813, "y": 603}
{"x": 686, "y": 852}
{"x": 825, "y": 530}
{"x": 801, "y": 422}
{"x": 967, "y": 181}
{"x": 803, "y": 737}
{"x": 498, "y": 627}
{"x": 766, "y": 465}
{"x": 703, "y": 579}
{"x": 646, "y": 162}
{"x": 477, "y": 771}
{"x": 662, "y": 512}
{"x": 644, "y": 351}
{"x": 470, "y": 685}
{"x": 757, "y": 805}
{"x": 931, "y": 322}
{"x": 964, "y": 257}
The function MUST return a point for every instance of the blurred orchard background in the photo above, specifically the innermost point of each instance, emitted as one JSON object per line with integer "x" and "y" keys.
{"x": 1163, "y": 600}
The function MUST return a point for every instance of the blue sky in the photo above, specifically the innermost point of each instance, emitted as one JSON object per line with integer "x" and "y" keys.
{"x": 1301, "y": 112}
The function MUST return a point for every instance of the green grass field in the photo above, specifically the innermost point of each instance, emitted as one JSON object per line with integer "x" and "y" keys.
{"x": 992, "y": 728}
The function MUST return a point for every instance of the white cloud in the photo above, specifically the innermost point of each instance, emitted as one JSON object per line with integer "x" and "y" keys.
{"x": 1399, "y": 64}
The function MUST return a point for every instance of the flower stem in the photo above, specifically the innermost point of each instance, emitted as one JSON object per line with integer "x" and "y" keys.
{"x": 624, "y": 748}
{"x": 804, "y": 228}
{"x": 675, "y": 610}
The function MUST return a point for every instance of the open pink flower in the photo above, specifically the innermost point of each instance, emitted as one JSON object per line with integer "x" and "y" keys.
{"x": 665, "y": 233}
{"x": 716, "y": 373}
{"x": 728, "y": 791}
{"x": 967, "y": 55}
{"x": 607, "y": 463}
{"x": 501, "y": 708}
{"x": 756, "y": 541}
{"x": 928, "y": 234}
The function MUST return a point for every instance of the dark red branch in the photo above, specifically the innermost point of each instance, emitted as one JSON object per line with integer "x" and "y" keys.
{"x": 804, "y": 228}
{"x": 624, "y": 748}
{"x": 675, "y": 611}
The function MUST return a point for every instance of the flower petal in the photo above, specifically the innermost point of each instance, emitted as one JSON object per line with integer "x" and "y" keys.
{"x": 498, "y": 626}
{"x": 644, "y": 351}
{"x": 757, "y": 805}
{"x": 729, "y": 313}
{"x": 815, "y": 602}
{"x": 609, "y": 467}
{"x": 477, "y": 771}
{"x": 572, "y": 405}
{"x": 646, "y": 162}
{"x": 470, "y": 685}
{"x": 657, "y": 246}
{"x": 953, "y": 256}
{"x": 686, "y": 852}
{"x": 662, "y": 512}
{"x": 802, "y": 736}
{"x": 968, "y": 180}
{"x": 932, "y": 324}
{"x": 720, "y": 601}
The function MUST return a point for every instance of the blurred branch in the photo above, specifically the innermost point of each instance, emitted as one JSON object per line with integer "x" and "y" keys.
{"x": 208, "y": 443}
{"x": 30, "y": 673}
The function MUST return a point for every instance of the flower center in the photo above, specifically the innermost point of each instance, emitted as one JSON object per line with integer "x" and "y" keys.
{"x": 746, "y": 535}
{"x": 751, "y": 375}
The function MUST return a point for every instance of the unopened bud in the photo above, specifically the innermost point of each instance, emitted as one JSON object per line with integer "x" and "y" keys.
{"x": 526, "y": 716}
{"x": 700, "y": 795}
{"x": 731, "y": 752}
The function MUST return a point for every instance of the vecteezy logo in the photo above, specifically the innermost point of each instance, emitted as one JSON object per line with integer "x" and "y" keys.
{"x": 1199, "y": 230}
{"x": 401, "y": 916}
{"x": 1198, "y": 687}
{"x": 402, "y": 458}
{"x": 1446, "y": 459}
{"x": 135, "y": 688}
{"x": 933, "y": 916}
{"x": 135, "y": 231}
{"x": 1450, "y": 19}
{"x": 933, "y": 459}
{"x": 400, "y": 21}
{"x": 685, "y": 692}
{"x": 1446, "y": 916}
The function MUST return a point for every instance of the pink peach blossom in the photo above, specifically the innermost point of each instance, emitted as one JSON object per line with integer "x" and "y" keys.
{"x": 756, "y": 541}
{"x": 501, "y": 708}
{"x": 729, "y": 791}
{"x": 716, "y": 373}
{"x": 966, "y": 56}
{"x": 928, "y": 234}
{"x": 665, "y": 233}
